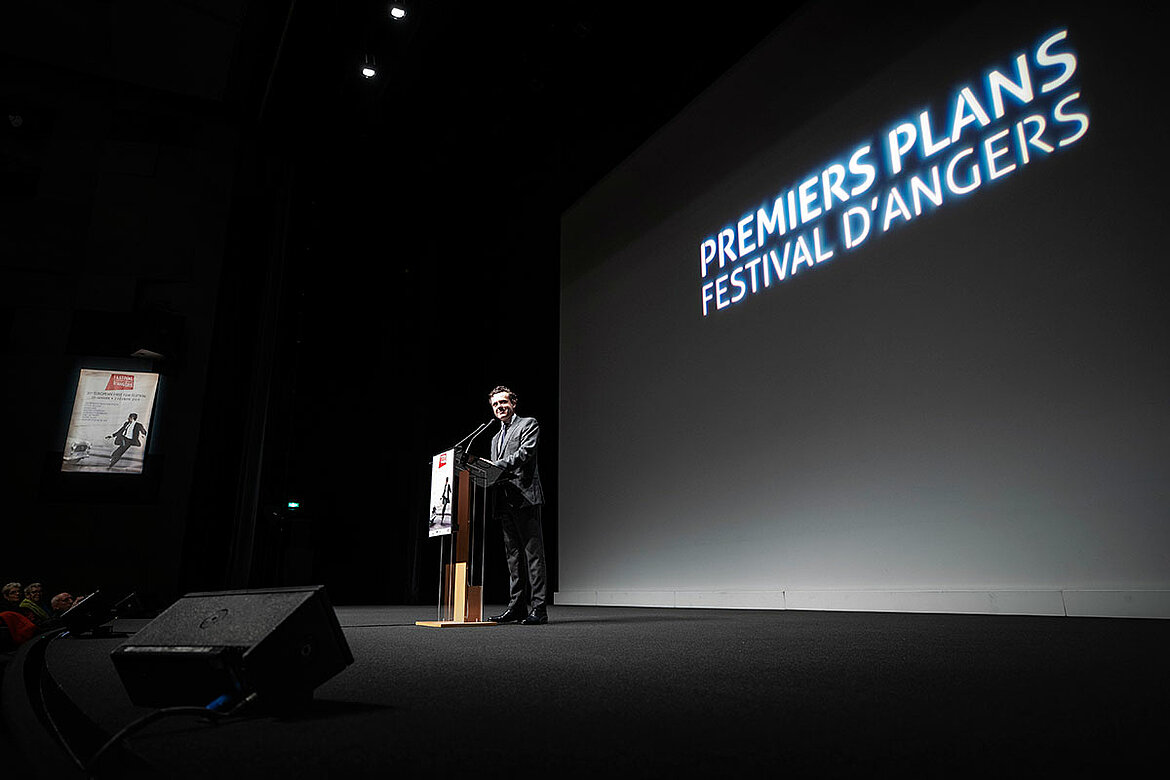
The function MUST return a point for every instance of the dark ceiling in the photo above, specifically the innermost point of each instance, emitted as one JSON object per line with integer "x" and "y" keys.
{"x": 541, "y": 98}
{"x": 443, "y": 178}
{"x": 546, "y": 95}
{"x": 509, "y": 109}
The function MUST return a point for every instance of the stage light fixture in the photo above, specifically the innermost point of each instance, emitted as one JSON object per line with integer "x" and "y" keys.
{"x": 369, "y": 67}
{"x": 397, "y": 12}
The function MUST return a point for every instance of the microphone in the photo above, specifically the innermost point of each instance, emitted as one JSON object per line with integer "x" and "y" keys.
{"x": 471, "y": 437}
{"x": 475, "y": 435}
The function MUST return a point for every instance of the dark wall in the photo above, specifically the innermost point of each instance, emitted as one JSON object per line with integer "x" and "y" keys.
{"x": 420, "y": 272}
{"x": 216, "y": 187}
{"x": 399, "y": 318}
{"x": 121, "y": 143}
{"x": 336, "y": 270}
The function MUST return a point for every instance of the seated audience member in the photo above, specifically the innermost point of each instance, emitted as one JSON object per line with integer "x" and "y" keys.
{"x": 15, "y": 630}
{"x": 31, "y": 606}
{"x": 11, "y": 597}
{"x": 60, "y": 604}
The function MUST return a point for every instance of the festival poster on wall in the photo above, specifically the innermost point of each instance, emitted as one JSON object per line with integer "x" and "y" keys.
{"x": 442, "y": 480}
{"x": 110, "y": 422}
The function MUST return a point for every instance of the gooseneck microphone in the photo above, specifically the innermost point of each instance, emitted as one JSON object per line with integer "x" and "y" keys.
{"x": 471, "y": 437}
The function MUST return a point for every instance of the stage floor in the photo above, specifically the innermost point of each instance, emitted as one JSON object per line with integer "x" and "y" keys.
{"x": 659, "y": 692}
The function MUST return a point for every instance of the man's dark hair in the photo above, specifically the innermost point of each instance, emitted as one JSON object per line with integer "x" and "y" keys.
{"x": 133, "y": 416}
{"x": 515, "y": 399}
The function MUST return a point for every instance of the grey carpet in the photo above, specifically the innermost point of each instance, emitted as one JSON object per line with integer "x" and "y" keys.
{"x": 659, "y": 692}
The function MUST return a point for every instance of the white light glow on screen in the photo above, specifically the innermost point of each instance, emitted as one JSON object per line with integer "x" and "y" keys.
{"x": 987, "y": 130}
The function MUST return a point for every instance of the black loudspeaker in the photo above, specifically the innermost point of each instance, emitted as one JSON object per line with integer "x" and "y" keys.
{"x": 279, "y": 643}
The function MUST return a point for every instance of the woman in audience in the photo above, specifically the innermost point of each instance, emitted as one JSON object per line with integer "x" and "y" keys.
{"x": 11, "y": 600}
{"x": 31, "y": 606}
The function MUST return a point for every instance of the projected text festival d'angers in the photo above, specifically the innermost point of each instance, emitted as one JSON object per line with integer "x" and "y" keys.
{"x": 1020, "y": 113}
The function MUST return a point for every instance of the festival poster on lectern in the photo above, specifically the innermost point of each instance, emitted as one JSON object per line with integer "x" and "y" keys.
{"x": 442, "y": 480}
{"x": 110, "y": 422}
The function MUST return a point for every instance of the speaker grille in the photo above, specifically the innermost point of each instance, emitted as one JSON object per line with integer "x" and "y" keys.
{"x": 281, "y": 643}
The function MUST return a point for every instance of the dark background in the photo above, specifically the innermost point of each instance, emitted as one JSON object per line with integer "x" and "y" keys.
{"x": 336, "y": 270}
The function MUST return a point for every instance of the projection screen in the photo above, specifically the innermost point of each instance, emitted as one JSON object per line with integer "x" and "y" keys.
{"x": 878, "y": 322}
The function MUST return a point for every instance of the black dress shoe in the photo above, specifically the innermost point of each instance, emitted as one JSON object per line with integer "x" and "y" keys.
{"x": 510, "y": 615}
{"x": 537, "y": 617}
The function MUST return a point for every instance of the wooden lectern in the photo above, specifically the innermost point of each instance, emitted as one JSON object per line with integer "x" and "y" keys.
{"x": 462, "y": 556}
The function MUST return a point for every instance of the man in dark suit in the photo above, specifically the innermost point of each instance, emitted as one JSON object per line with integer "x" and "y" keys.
{"x": 517, "y": 501}
{"x": 126, "y": 437}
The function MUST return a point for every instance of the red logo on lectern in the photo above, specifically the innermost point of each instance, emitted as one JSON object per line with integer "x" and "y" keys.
{"x": 442, "y": 460}
{"x": 121, "y": 382}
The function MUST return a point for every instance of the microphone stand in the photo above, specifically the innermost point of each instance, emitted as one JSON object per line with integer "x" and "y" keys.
{"x": 467, "y": 440}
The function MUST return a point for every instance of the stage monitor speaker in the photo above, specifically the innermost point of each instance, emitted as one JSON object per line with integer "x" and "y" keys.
{"x": 279, "y": 643}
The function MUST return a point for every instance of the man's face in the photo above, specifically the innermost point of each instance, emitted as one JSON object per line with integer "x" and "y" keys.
{"x": 34, "y": 593}
{"x": 502, "y": 407}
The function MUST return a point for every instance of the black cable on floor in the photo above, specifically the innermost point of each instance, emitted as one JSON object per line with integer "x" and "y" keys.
{"x": 209, "y": 712}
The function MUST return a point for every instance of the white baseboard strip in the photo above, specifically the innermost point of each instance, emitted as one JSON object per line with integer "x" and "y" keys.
{"x": 1071, "y": 603}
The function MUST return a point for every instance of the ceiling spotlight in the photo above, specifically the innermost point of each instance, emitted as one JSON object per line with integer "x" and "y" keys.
{"x": 369, "y": 67}
{"x": 397, "y": 12}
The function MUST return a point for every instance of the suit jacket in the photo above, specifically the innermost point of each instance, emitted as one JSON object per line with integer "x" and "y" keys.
{"x": 517, "y": 456}
{"x": 133, "y": 433}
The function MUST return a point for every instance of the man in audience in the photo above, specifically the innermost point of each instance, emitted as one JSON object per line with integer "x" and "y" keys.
{"x": 60, "y": 604}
